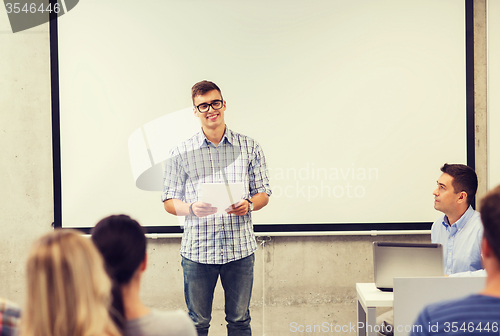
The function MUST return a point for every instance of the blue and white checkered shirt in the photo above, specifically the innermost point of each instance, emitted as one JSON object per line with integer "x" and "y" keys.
{"x": 9, "y": 318}
{"x": 218, "y": 238}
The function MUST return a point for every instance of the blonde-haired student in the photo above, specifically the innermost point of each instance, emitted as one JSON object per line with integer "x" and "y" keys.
{"x": 68, "y": 289}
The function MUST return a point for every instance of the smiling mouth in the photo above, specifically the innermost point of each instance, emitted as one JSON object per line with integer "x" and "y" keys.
{"x": 212, "y": 117}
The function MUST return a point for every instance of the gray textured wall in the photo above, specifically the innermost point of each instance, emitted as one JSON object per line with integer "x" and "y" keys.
{"x": 307, "y": 280}
{"x": 25, "y": 139}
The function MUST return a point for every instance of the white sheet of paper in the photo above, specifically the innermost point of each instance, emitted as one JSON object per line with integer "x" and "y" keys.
{"x": 217, "y": 194}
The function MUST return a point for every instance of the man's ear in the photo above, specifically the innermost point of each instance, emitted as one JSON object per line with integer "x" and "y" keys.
{"x": 462, "y": 197}
{"x": 486, "y": 251}
{"x": 194, "y": 111}
{"x": 144, "y": 263}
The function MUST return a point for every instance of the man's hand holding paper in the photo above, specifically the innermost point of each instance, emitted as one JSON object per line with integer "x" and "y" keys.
{"x": 201, "y": 209}
{"x": 238, "y": 209}
{"x": 227, "y": 198}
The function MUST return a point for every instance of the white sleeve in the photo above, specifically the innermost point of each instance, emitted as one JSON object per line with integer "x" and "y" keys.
{"x": 477, "y": 273}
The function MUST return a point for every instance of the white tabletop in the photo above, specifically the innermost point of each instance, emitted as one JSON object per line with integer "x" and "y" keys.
{"x": 371, "y": 296}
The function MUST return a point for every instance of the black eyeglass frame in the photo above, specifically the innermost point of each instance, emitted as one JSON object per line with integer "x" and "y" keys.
{"x": 211, "y": 106}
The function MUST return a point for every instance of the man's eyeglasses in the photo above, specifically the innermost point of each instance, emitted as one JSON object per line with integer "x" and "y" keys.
{"x": 216, "y": 105}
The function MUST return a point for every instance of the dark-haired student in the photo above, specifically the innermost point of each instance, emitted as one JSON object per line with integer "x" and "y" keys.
{"x": 122, "y": 242}
{"x": 477, "y": 314}
{"x": 459, "y": 230}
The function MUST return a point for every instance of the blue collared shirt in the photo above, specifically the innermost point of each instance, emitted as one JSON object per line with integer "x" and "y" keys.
{"x": 219, "y": 238}
{"x": 461, "y": 242}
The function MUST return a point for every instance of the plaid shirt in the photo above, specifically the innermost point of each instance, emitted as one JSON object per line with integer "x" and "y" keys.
{"x": 9, "y": 317}
{"x": 218, "y": 238}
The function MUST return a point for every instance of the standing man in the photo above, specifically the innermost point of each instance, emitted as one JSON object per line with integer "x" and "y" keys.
{"x": 477, "y": 314}
{"x": 460, "y": 229}
{"x": 213, "y": 244}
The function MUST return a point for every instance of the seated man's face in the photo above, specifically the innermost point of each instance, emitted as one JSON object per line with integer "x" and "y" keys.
{"x": 445, "y": 198}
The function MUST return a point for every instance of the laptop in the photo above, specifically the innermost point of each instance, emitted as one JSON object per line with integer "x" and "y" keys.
{"x": 405, "y": 260}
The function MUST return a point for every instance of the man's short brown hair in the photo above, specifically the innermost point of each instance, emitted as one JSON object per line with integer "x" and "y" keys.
{"x": 490, "y": 216}
{"x": 203, "y": 87}
{"x": 464, "y": 179}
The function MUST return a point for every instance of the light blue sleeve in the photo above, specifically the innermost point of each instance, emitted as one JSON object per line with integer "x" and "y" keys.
{"x": 477, "y": 273}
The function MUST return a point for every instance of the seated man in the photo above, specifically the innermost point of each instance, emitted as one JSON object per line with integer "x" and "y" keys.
{"x": 459, "y": 230}
{"x": 9, "y": 318}
{"x": 477, "y": 314}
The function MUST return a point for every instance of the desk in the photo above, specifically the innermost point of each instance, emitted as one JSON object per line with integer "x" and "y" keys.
{"x": 369, "y": 298}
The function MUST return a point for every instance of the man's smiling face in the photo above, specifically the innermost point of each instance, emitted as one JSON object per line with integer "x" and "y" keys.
{"x": 212, "y": 119}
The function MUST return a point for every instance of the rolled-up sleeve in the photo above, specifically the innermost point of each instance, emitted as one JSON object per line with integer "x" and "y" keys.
{"x": 174, "y": 180}
{"x": 258, "y": 173}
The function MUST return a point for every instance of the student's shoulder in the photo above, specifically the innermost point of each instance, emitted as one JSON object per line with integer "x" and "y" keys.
{"x": 172, "y": 314}
{"x": 441, "y": 311}
{"x": 476, "y": 219}
{"x": 186, "y": 145}
{"x": 438, "y": 224}
{"x": 177, "y": 322}
{"x": 9, "y": 308}
{"x": 242, "y": 140}
{"x": 196, "y": 138}
{"x": 239, "y": 136}
{"x": 474, "y": 225}
{"x": 473, "y": 309}
{"x": 156, "y": 323}
{"x": 474, "y": 302}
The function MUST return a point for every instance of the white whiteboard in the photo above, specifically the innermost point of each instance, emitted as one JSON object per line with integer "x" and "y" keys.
{"x": 356, "y": 104}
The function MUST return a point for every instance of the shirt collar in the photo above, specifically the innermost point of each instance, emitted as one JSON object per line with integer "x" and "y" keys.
{"x": 462, "y": 221}
{"x": 226, "y": 138}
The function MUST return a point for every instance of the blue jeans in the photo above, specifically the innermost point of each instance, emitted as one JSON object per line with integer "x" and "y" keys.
{"x": 237, "y": 280}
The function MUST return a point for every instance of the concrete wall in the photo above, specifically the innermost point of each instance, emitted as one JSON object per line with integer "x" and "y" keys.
{"x": 26, "y": 200}
{"x": 306, "y": 280}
